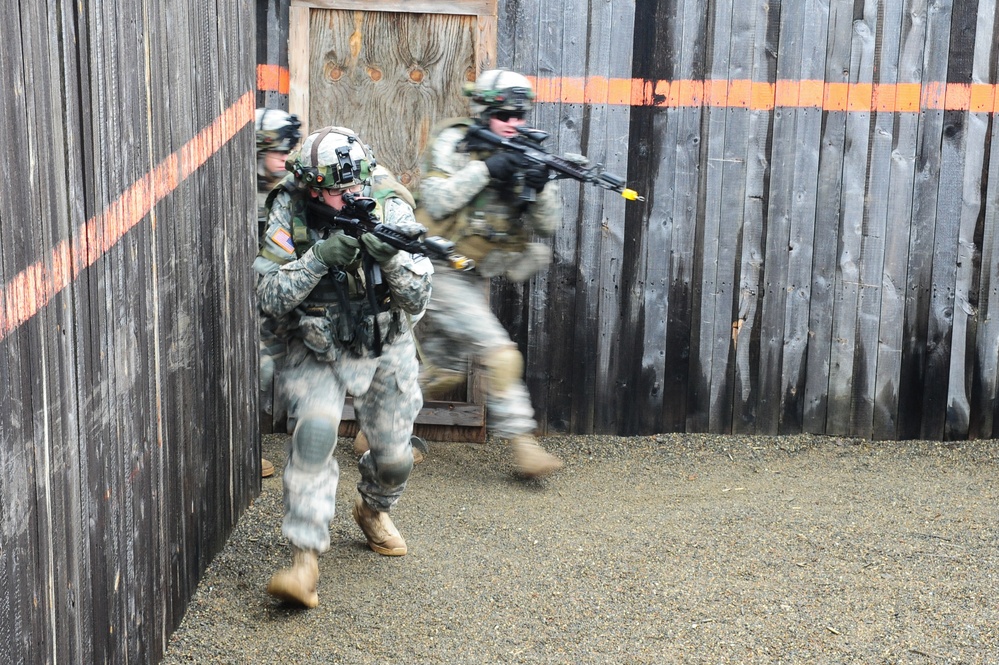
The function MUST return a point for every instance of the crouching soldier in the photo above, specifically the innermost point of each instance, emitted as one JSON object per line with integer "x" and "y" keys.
{"x": 349, "y": 332}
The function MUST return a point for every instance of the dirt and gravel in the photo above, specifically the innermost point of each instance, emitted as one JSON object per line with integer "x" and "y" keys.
{"x": 664, "y": 549}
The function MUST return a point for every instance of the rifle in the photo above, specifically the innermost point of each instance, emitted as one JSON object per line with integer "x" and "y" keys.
{"x": 528, "y": 144}
{"x": 358, "y": 217}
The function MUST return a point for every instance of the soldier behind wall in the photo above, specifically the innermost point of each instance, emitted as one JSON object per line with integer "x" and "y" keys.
{"x": 277, "y": 135}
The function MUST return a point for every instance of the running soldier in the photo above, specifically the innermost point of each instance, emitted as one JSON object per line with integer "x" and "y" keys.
{"x": 471, "y": 195}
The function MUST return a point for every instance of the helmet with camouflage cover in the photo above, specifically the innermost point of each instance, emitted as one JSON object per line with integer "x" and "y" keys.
{"x": 498, "y": 90}
{"x": 277, "y": 130}
{"x": 332, "y": 158}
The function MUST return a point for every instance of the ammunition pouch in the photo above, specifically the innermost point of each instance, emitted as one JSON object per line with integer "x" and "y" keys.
{"x": 475, "y": 233}
{"x": 323, "y": 326}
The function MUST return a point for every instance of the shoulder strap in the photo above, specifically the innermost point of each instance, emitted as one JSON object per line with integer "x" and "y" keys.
{"x": 384, "y": 185}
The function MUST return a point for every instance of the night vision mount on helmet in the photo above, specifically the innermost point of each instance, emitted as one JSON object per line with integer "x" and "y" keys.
{"x": 332, "y": 158}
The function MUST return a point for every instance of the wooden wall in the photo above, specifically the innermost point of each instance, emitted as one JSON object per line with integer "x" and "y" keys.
{"x": 128, "y": 443}
{"x": 817, "y": 251}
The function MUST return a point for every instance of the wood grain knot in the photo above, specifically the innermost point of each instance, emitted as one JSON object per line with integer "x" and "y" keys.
{"x": 416, "y": 74}
{"x": 375, "y": 73}
{"x": 333, "y": 72}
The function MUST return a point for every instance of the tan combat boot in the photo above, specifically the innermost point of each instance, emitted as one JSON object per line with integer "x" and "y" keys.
{"x": 436, "y": 382}
{"x": 360, "y": 443}
{"x": 298, "y": 583}
{"x": 361, "y": 447}
{"x": 531, "y": 459}
{"x": 378, "y": 528}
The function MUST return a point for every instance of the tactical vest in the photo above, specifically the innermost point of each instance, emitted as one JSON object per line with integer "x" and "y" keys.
{"x": 338, "y": 306}
{"x": 492, "y": 221}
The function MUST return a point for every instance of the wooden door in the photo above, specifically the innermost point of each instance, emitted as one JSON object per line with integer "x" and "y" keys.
{"x": 390, "y": 70}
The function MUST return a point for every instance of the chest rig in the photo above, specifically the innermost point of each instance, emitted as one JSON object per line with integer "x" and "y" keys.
{"x": 339, "y": 310}
{"x": 492, "y": 221}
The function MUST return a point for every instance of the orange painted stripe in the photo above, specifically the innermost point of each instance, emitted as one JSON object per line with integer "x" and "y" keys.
{"x": 761, "y": 96}
{"x": 273, "y": 78}
{"x": 34, "y": 287}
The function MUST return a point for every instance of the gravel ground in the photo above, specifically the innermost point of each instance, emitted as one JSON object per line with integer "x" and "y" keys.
{"x": 665, "y": 549}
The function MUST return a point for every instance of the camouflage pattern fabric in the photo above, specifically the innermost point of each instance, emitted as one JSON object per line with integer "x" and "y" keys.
{"x": 319, "y": 371}
{"x": 454, "y": 180}
{"x": 459, "y": 325}
{"x": 273, "y": 345}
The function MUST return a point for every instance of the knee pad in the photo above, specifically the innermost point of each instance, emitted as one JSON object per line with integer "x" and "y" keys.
{"x": 503, "y": 367}
{"x": 313, "y": 439}
{"x": 395, "y": 472}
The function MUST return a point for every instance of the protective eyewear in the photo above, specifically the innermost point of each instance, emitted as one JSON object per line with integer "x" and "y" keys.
{"x": 507, "y": 116}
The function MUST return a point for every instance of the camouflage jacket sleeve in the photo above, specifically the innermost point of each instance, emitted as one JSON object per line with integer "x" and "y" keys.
{"x": 408, "y": 278}
{"x": 281, "y": 286}
{"x": 545, "y": 216}
{"x": 453, "y": 179}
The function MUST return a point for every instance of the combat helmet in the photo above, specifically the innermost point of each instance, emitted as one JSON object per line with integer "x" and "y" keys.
{"x": 277, "y": 130}
{"x": 498, "y": 90}
{"x": 332, "y": 158}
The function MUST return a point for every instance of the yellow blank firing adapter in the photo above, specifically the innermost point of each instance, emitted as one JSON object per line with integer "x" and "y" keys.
{"x": 459, "y": 262}
{"x": 631, "y": 195}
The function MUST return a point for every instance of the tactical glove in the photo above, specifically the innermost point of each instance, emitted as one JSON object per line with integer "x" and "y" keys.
{"x": 536, "y": 176}
{"x": 337, "y": 250}
{"x": 503, "y": 165}
{"x": 378, "y": 249}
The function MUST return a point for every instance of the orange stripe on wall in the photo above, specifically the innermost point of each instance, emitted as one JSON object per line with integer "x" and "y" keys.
{"x": 273, "y": 78}
{"x": 35, "y": 286}
{"x": 761, "y": 96}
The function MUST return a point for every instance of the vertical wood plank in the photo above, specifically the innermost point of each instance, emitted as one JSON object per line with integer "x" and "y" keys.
{"x": 918, "y": 348}
{"x": 871, "y": 268}
{"x": 708, "y": 382}
{"x": 746, "y": 330}
{"x": 779, "y": 221}
{"x": 984, "y": 378}
{"x": 897, "y": 232}
{"x": 828, "y": 205}
{"x": 845, "y": 398}
{"x": 801, "y": 244}
{"x": 972, "y": 43}
{"x": 298, "y": 64}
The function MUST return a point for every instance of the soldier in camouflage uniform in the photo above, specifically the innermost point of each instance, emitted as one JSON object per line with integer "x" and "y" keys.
{"x": 312, "y": 273}
{"x": 277, "y": 135}
{"x": 469, "y": 195}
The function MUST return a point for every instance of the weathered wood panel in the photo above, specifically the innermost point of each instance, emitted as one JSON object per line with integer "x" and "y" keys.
{"x": 127, "y": 345}
{"x": 389, "y": 77}
{"x": 852, "y": 201}
{"x": 814, "y": 253}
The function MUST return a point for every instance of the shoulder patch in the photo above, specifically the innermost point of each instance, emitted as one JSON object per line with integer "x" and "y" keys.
{"x": 421, "y": 265}
{"x": 282, "y": 239}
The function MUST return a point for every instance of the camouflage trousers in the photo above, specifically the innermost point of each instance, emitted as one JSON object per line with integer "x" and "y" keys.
{"x": 458, "y": 326}
{"x": 387, "y": 399}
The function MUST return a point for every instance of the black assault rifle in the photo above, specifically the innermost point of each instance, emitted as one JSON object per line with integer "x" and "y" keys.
{"x": 528, "y": 144}
{"x": 358, "y": 217}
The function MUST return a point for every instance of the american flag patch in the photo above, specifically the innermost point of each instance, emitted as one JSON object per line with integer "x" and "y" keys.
{"x": 282, "y": 239}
